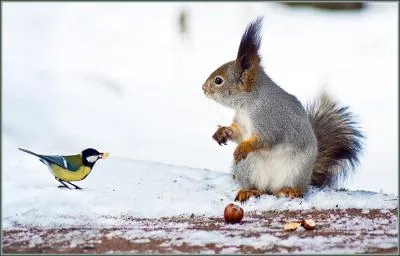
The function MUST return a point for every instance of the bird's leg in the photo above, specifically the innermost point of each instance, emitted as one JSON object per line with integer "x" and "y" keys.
{"x": 76, "y": 187}
{"x": 63, "y": 184}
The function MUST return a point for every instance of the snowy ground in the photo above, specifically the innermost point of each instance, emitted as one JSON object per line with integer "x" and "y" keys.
{"x": 337, "y": 231}
{"x": 122, "y": 213}
{"x": 180, "y": 209}
{"x": 120, "y": 78}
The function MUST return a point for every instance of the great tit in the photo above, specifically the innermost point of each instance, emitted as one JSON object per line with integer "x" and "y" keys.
{"x": 70, "y": 168}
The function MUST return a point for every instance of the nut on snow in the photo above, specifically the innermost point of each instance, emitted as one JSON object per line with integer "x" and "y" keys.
{"x": 291, "y": 226}
{"x": 308, "y": 224}
{"x": 233, "y": 213}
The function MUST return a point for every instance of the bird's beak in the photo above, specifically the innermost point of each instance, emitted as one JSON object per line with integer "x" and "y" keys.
{"x": 104, "y": 155}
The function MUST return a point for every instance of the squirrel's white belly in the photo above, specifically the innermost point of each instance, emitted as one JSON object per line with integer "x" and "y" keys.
{"x": 270, "y": 170}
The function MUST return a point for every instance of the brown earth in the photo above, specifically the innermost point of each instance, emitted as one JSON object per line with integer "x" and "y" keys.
{"x": 337, "y": 231}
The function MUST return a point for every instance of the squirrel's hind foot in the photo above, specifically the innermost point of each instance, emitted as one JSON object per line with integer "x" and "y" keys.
{"x": 290, "y": 193}
{"x": 244, "y": 194}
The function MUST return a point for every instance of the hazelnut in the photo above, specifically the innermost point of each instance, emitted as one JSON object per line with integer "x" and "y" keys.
{"x": 233, "y": 213}
{"x": 308, "y": 224}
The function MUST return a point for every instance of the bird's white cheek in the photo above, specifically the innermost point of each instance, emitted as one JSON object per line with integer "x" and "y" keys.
{"x": 92, "y": 159}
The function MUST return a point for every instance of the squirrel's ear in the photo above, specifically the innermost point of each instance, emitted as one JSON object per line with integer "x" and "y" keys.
{"x": 248, "y": 56}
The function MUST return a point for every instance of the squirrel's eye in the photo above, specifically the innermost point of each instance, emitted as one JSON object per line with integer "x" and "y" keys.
{"x": 218, "y": 80}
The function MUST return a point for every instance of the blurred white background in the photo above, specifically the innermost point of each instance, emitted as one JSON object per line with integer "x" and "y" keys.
{"x": 121, "y": 77}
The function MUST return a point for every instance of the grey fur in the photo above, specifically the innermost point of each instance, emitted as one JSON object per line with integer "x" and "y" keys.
{"x": 279, "y": 119}
{"x": 276, "y": 115}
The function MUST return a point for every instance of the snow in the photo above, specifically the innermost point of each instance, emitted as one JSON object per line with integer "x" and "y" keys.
{"x": 78, "y": 75}
{"x": 35, "y": 239}
{"x": 124, "y": 187}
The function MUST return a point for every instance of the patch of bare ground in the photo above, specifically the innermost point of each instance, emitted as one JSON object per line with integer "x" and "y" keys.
{"x": 342, "y": 230}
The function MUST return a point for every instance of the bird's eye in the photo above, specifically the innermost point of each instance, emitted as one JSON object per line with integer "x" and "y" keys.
{"x": 218, "y": 80}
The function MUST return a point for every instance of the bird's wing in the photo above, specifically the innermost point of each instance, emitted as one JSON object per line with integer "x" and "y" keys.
{"x": 74, "y": 161}
{"x": 61, "y": 161}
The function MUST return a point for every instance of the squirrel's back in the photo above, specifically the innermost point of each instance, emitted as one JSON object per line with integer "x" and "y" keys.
{"x": 279, "y": 115}
{"x": 338, "y": 136}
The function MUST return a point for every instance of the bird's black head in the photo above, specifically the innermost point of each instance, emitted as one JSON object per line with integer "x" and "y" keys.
{"x": 90, "y": 156}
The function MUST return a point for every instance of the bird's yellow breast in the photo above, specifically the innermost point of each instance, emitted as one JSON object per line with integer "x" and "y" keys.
{"x": 67, "y": 175}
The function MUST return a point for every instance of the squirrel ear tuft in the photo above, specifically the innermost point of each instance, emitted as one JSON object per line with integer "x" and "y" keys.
{"x": 249, "y": 45}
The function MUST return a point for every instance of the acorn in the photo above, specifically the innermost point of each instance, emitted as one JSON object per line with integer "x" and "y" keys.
{"x": 308, "y": 224}
{"x": 233, "y": 213}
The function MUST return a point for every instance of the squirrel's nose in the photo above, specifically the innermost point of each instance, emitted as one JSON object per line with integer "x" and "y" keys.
{"x": 205, "y": 85}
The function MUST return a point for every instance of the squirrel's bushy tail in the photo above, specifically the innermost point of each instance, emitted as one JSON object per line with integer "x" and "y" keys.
{"x": 339, "y": 141}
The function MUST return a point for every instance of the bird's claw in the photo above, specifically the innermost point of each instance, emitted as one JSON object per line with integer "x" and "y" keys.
{"x": 61, "y": 186}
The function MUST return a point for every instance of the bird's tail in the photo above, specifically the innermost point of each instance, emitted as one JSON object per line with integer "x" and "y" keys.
{"x": 339, "y": 141}
{"x": 29, "y": 152}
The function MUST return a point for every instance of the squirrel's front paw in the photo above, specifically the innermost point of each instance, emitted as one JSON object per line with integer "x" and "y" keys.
{"x": 223, "y": 134}
{"x": 241, "y": 152}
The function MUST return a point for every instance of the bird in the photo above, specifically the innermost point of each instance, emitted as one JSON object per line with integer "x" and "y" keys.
{"x": 72, "y": 167}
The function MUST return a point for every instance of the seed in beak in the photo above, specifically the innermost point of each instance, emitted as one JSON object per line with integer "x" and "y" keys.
{"x": 104, "y": 155}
